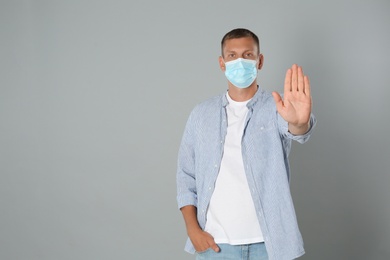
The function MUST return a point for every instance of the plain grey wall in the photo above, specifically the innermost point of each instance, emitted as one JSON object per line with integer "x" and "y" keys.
{"x": 94, "y": 96}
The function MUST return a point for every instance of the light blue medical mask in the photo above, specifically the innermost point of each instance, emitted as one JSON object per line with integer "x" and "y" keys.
{"x": 241, "y": 72}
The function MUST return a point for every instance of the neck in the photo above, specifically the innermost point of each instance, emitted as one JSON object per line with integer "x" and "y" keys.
{"x": 242, "y": 94}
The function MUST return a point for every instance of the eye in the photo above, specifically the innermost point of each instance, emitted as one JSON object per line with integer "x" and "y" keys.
{"x": 250, "y": 55}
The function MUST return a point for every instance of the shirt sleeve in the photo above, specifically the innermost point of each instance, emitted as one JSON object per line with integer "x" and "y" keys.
{"x": 185, "y": 177}
{"x": 283, "y": 128}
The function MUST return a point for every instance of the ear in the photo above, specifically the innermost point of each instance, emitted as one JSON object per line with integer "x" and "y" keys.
{"x": 261, "y": 61}
{"x": 221, "y": 63}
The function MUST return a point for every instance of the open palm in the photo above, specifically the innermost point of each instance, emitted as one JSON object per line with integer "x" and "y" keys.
{"x": 295, "y": 106}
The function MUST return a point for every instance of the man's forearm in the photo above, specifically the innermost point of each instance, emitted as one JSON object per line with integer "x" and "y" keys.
{"x": 190, "y": 218}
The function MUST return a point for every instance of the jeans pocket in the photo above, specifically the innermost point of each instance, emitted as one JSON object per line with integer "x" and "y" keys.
{"x": 203, "y": 255}
{"x": 203, "y": 252}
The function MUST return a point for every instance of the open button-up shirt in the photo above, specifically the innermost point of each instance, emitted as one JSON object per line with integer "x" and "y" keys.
{"x": 266, "y": 144}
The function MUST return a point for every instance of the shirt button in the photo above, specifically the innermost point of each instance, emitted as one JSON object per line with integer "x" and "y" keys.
{"x": 215, "y": 165}
{"x": 209, "y": 188}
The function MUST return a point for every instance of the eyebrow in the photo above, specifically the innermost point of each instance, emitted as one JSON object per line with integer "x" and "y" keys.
{"x": 231, "y": 51}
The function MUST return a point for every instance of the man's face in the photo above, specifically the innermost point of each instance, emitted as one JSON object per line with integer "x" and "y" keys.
{"x": 245, "y": 48}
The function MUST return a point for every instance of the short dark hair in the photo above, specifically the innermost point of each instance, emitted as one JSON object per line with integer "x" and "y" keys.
{"x": 240, "y": 33}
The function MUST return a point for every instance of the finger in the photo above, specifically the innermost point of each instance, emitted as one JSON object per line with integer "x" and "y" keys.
{"x": 294, "y": 78}
{"x": 278, "y": 100}
{"x": 211, "y": 243}
{"x": 215, "y": 247}
{"x": 287, "y": 81}
{"x": 301, "y": 84}
{"x": 307, "y": 86}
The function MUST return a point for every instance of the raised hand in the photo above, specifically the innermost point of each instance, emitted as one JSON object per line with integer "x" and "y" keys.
{"x": 295, "y": 107}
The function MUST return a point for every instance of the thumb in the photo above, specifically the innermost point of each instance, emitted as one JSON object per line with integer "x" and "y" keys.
{"x": 278, "y": 100}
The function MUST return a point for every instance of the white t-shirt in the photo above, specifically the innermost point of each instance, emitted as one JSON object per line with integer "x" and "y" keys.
{"x": 231, "y": 215}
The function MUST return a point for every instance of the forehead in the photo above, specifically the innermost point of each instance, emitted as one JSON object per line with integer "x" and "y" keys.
{"x": 240, "y": 44}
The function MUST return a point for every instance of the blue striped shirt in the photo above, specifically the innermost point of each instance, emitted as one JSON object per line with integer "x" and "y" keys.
{"x": 266, "y": 144}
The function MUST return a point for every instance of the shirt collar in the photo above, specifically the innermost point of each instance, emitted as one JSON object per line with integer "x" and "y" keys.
{"x": 251, "y": 103}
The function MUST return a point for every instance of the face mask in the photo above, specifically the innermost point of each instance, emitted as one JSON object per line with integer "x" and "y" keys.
{"x": 241, "y": 72}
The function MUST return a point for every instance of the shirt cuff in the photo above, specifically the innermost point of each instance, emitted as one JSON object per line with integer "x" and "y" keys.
{"x": 185, "y": 200}
{"x": 299, "y": 138}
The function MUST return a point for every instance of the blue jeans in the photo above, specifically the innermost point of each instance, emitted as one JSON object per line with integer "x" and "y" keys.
{"x": 255, "y": 251}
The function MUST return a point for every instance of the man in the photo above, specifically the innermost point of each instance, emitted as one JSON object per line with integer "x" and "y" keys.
{"x": 233, "y": 170}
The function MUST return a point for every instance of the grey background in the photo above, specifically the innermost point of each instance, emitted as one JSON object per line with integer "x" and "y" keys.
{"x": 94, "y": 96}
